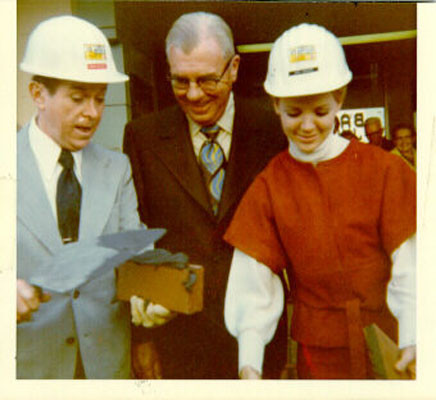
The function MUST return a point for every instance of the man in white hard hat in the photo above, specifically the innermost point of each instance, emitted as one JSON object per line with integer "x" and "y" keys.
{"x": 69, "y": 189}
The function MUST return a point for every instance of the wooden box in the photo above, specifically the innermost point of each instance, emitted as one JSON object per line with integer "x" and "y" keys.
{"x": 163, "y": 285}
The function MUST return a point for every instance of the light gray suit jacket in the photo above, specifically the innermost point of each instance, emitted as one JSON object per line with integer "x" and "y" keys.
{"x": 47, "y": 345}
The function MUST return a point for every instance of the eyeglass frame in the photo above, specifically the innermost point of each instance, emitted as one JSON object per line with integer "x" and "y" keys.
{"x": 200, "y": 80}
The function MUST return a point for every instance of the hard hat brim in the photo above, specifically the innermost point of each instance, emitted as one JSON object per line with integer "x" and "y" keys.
{"x": 101, "y": 77}
{"x": 307, "y": 89}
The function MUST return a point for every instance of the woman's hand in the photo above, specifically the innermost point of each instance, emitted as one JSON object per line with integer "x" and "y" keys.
{"x": 407, "y": 361}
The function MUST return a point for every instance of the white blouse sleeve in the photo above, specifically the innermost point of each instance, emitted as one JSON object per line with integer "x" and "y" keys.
{"x": 253, "y": 306}
{"x": 401, "y": 295}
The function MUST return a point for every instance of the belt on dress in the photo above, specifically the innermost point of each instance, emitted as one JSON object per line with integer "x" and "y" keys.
{"x": 356, "y": 340}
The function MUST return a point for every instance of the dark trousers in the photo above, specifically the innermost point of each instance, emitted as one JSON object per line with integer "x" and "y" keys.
{"x": 194, "y": 347}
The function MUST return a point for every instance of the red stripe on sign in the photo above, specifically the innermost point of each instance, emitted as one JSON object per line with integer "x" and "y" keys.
{"x": 97, "y": 66}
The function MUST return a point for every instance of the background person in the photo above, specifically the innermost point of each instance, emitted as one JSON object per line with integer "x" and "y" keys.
{"x": 326, "y": 211}
{"x": 404, "y": 139}
{"x": 348, "y": 134}
{"x": 374, "y": 132}
{"x": 169, "y": 155}
{"x": 69, "y": 189}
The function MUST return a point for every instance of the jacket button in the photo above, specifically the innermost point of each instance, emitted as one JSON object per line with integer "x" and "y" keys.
{"x": 70, "y": 340}
{"x": 76, "y": 294}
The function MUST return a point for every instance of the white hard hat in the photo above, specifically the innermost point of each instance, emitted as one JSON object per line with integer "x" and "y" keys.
{"x": 70, "y": 48}
{"x": 306, "y": 59}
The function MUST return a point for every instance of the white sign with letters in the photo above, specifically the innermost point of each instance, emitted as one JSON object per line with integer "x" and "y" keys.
{"x": 354, "y": 120}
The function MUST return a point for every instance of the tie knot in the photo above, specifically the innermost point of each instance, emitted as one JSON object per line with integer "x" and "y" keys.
{"x": 66, "y": 159}
{"x": 211, "y": 132}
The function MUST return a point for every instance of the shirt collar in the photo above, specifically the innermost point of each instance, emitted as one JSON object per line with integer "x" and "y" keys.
{"x": 47, "y": 151}
{"x": 331, "y": 147}
{"x": 225, "y": 122}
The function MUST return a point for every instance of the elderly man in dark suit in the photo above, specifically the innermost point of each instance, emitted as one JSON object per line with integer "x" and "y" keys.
{"x": 191, "y": 165}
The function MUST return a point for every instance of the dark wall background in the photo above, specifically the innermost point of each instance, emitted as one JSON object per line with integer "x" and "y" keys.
{"x": 384, "y": 73}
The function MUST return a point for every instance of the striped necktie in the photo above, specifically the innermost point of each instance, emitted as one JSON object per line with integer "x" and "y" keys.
{"x": 213, "y": 164}
{"x": 68, "y": 199}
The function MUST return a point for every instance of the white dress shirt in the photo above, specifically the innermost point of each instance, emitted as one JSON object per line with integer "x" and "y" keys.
{"x": 47, "y": 152}
{"x": 254, "y": 298}
{"x": 224, "y": 137}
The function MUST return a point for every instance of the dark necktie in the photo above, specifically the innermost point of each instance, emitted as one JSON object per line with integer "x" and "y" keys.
{"x": 213, "y": 163}
{"x": 68, "y": 199}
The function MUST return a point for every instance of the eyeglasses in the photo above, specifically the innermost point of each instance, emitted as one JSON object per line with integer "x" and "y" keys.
{"x": 403, "y": 138}
{"x": 208, "y": 84}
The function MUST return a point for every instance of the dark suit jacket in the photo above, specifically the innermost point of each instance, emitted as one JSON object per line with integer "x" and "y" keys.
{"x": 172, "y": 194}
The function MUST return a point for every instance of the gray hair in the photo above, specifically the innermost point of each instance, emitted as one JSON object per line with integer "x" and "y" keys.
{"x": 190, "y": 29}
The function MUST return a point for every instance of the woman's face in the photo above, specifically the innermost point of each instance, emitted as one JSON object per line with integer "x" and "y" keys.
{"x": 307, "y": 120}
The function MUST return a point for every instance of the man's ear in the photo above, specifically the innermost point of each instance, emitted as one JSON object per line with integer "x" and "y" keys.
{"x": 235, "y": 67}
{"x": 39, "y": 93}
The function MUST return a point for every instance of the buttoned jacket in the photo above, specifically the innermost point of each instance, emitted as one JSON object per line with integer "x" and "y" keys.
{"x": 90, "y": 315}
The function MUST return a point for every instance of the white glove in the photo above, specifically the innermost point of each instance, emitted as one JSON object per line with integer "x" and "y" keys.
{"x": 148, "y": 314}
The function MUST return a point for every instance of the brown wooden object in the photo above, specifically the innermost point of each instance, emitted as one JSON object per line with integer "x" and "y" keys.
{"x": 163, "y": 285}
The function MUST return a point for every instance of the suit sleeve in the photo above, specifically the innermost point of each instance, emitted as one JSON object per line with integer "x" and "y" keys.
{"x": 128, "y": 204}
{"x": 130, "y": 148}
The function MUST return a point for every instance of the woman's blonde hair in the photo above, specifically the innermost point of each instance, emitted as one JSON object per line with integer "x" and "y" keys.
{"x": 339, "y": 94}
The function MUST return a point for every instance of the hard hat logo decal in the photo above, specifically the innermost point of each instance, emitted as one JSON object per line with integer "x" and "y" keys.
{"x": 302, "y": 53}
{"x": 302, "y": 60}
{"x": 95, "y": 52}
{"x": 95, "y": 55}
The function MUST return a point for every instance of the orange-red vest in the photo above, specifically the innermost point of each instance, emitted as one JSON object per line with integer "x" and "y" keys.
{"x": 333, "y": 227}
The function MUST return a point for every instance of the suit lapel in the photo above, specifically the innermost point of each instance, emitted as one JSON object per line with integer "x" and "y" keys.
{"x": 33, "y": 208}
{"x": 98, "y": 192}
{"x": 172, "y": 144}
{"x": 174, "y": 147}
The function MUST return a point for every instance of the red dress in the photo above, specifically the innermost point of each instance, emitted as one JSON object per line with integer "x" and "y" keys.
{"x": 334, "y": 227}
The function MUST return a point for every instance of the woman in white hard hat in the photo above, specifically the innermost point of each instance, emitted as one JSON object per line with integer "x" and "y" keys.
{"x": 326, "y": 211}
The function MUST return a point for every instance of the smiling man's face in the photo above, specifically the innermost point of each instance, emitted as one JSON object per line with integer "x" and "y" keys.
{"x": 70, "y": 115}
{"x": 203, "y": 62}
